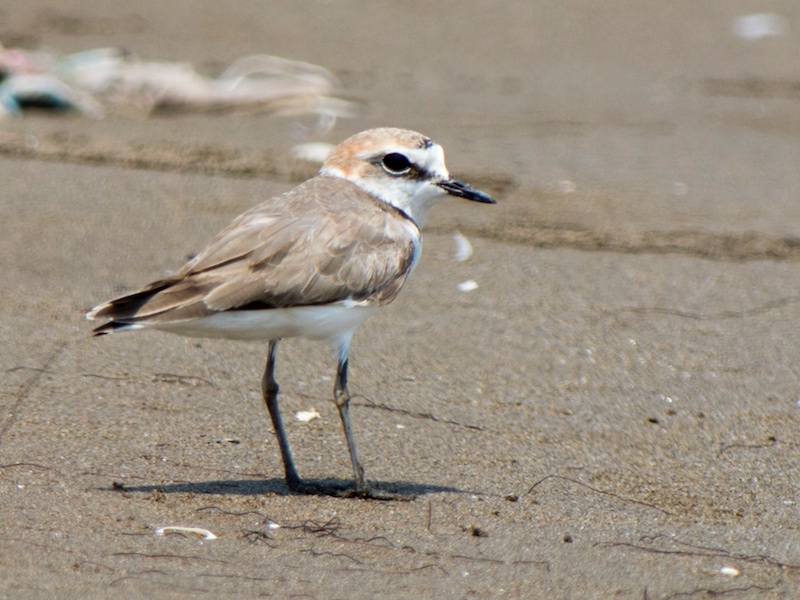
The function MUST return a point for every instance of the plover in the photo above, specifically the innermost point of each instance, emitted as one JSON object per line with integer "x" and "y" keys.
{"x": 314, "y": 262}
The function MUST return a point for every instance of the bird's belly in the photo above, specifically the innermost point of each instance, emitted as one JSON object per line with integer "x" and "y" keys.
{"x": 313, "y": 322}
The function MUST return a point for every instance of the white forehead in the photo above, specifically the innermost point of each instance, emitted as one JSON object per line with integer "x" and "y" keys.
{"x": 429, "y": 159}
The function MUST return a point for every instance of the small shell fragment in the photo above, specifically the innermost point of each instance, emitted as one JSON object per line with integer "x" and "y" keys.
{"x": 307, "y": 415}
{"x": 468, "y": 285}
{"x": 463, "y": 247}
{"x": 758, "y": 26}
{"x": 198, "y": 531}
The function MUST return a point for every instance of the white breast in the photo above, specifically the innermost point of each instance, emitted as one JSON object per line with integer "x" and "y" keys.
{"x": 313, "y": 322}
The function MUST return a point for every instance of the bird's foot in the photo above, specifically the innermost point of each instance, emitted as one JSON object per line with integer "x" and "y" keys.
{"x": 372, "y": 493}
{"x": 342, "y": 491}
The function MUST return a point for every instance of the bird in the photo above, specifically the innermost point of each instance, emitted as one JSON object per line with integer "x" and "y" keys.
{"x": 314, "y": 262}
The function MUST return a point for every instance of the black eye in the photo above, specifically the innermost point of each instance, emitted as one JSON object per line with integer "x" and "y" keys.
{"x": 395, "y": 163}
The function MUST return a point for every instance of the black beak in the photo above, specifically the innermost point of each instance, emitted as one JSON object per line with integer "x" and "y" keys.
{"x": 464, "y": 190}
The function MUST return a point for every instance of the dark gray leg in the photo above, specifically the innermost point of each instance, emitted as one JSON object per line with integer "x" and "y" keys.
{"x": 269, "y": 388}
{"x": 341, "y": 396}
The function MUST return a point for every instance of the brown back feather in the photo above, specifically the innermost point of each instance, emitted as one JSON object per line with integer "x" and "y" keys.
{"x": 324, "y": 241}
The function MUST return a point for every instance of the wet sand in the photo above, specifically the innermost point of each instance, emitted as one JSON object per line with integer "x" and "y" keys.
{"x": 611, "y": 413}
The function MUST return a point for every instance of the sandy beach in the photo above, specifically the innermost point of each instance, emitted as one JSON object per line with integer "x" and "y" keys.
{"x": 611, "y": 413}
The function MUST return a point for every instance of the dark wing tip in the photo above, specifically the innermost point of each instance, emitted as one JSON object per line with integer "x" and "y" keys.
{"x": 111, "y": 327}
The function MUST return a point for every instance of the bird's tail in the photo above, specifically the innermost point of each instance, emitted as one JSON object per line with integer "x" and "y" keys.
{"x": 123, "y": 310}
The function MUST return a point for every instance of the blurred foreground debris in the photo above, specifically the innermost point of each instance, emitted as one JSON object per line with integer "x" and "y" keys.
{"x": 96, "y": 81}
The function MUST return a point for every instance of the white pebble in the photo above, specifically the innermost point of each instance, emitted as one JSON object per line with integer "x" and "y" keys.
{"x": 307, "y": 415}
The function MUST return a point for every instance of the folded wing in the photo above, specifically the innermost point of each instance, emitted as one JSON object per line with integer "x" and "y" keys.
{"x": 325, "y": 241}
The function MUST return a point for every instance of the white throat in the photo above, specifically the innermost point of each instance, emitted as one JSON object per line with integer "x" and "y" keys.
{"x": 415, "y": 196}
{"x": 414, "y": 200}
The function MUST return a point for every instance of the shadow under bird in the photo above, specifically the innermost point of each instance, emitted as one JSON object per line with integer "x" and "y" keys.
{"x": 314, "y": 262}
